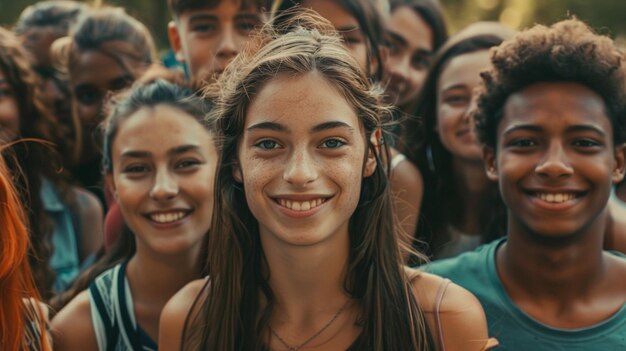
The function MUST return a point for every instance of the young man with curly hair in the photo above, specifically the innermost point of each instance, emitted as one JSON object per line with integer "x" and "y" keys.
{"x": 551, "y": 117}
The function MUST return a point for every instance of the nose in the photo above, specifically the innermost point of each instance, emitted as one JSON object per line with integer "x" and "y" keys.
{"x": 165, "y": 186}
{"x": 470, "y": 111}
{"x": 227, "y": 47}
{"x": 399, "y": 68}
{"x": 555, "y": 163}
{"x": 300, "y": 169}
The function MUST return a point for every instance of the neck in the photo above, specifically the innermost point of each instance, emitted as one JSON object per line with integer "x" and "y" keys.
{"x": 155, "y": 278}
{"x": 307, "y": 280}
{"x": 561, "y": 271}
{"x": 473, "y": 187}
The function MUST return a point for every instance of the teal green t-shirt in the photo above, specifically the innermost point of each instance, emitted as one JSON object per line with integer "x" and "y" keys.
{"x": 514, "y": 329}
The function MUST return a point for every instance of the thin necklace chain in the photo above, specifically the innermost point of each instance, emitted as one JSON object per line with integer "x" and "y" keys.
{"x": 298, "y": 347}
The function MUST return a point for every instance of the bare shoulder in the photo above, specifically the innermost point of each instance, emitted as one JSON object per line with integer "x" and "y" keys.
{"x": 175, "y": 314}
{"x": 71, "y": 328}
{"x": 461, "y": 316}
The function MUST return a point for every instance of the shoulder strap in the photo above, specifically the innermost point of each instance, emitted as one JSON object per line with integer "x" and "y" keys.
{"x": 111, "y": 329}
{"x": 128, "y": 329}
{"x": 436, "y": 309}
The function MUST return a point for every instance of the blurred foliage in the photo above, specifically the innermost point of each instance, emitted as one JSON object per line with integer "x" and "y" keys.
{"x": 606, "y": 16}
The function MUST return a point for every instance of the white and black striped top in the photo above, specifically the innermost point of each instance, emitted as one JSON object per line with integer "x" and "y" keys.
{"x": 113, "y": 316}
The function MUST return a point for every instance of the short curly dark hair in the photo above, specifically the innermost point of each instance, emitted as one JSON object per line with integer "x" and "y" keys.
{"x": 567, "y": 51}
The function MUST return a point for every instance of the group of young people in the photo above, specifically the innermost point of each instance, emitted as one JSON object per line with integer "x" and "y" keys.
{"x": 273, "y": 190}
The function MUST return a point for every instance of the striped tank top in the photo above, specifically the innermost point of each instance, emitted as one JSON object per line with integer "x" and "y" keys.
{"x": 112, "y": 313}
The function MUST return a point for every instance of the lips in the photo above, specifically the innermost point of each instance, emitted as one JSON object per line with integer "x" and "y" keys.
{"x": 168, "y": 217}
{"x": 300, "y": 205}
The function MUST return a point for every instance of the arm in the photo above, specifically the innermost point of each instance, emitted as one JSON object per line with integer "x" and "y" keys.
{"x": 89, "y": 212}
{"x": 175, "y": 313}
{"x": 463, "y": 321}
{"x": 72, "y": 329}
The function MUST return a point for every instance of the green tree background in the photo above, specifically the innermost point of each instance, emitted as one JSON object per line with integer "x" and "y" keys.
{"x": 606, "y": 16}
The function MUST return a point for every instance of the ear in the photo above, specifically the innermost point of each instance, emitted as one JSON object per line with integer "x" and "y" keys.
{"x": 491, "y": 164}
{"x": 377, "y": 140}
{"x": 620, "y": 163}
{"x": 237, "y": 172}
{"x": 110, "y": 184}
{"x": 370, "y": 162}
{"x": 175, "y": 41}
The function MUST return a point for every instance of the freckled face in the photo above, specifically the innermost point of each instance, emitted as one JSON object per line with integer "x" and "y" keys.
{"x": 9, "y": 112}
{"x": 164, "y": 164}
{"x": 455, "y": 104}
{"x": 556, "y": 160}
{"x": 301, "y": 160}
{"x": 347, "y": 25}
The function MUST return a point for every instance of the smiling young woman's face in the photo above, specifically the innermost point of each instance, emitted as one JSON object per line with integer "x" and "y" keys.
{"x": 556, "y": 160}
{"x": 301, "y": 160}
{"x": 455, "y": 94}
{"x": 164, "y": 164}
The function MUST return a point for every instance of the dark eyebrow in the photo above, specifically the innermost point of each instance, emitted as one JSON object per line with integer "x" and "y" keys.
{"x": 331, "y": 125}
{"x": 171, "y": 152}
{"x": 585, "y": 128}
{"x": 348, "y": 29}
{"x": 135, "y": 154}
{"x": 268, "y": 126}
{"x": 456, "y": 86}
{"x": 397, "y": 37}
{"x": 527, "y": 127}
{"x": 202, "y": 17}
{"x": 248, "y": 16}
{"x": 182, "y": 149}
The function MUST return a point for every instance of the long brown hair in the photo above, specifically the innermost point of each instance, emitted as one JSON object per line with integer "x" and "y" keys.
{"x": 230, "y": 316}
{"x": 16, "y": 279}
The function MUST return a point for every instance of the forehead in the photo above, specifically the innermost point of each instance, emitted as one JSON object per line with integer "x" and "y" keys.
{"x": 405, "y": 22}
{"x": 332, "y": 10}
{"x": 300, "y": 102}
{"x": 159, "y": 128}
{"x": 221, "y": 8}
{"x": 464, "y": 69}
{"x": 556, "y": 105}
{"x": 95, "y": 66}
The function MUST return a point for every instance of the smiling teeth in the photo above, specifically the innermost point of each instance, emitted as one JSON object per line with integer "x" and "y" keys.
{"x": 301, "y": 205}
{"x": 556, "y": 198}
{"x": 167, "y": 217}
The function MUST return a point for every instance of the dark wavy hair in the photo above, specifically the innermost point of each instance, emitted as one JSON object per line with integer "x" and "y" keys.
{"x": 58, "y": 14}
{"x": 231, "y": 317}
{"x": 568, "y": 51}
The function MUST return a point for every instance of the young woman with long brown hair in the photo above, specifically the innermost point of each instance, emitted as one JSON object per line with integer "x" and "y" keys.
{"x": 159, "y": 159}
{"x": 303, "y": 252}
